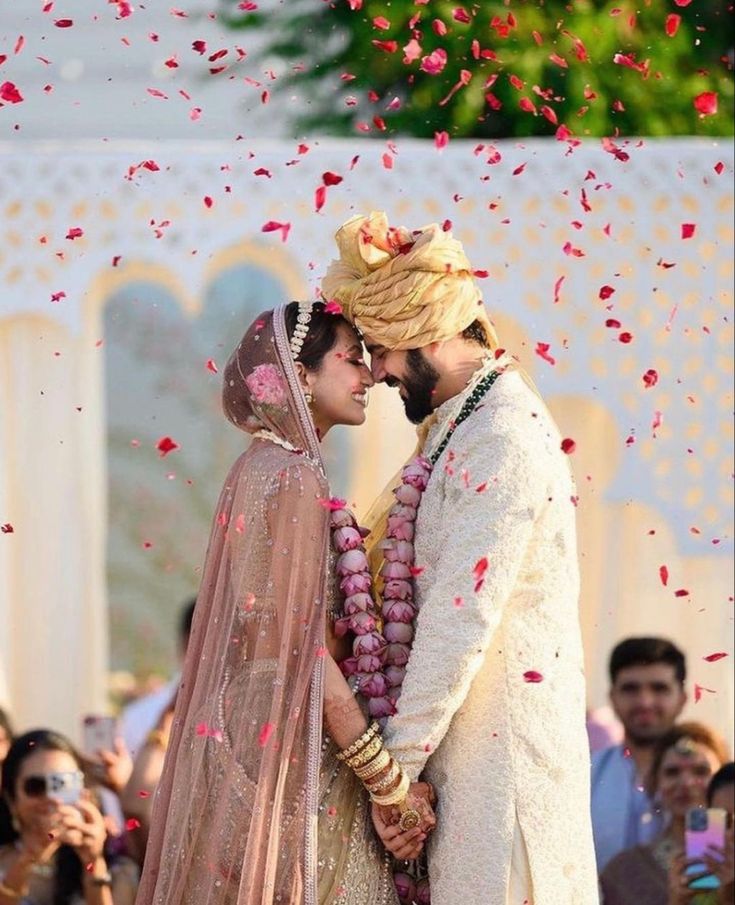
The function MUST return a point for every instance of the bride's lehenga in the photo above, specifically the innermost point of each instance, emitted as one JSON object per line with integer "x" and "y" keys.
{"x": 253, "y": 808}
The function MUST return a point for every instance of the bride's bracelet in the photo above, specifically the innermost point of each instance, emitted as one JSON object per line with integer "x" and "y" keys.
{"x": 368, "y": 754}
{"x": 375, "y": 767}
{"x": 396, "y": 796}
{"x": 385, "y": 781}
{"x": 359, "y": 744}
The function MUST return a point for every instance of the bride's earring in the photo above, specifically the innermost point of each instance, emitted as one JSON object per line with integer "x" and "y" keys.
{"x": 309, "y": 396}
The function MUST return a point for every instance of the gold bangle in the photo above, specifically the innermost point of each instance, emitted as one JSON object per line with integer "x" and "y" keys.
{"x": 390, "y": 777}
{"x": 359, "y": 743}
{"x": 375, "y": 767}
{"x": 396, "y": 796}
{"x": 11, "y": 893}
{"x": 370, "y": 751}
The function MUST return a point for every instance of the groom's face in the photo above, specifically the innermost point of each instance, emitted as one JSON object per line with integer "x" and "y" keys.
{"x": 413, "y": 374}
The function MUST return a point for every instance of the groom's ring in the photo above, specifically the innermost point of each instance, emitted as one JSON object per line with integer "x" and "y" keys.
{"x": 410, "y": 819}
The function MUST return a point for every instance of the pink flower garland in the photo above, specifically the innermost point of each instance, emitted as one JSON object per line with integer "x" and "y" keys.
{"x": 379, "y": 658}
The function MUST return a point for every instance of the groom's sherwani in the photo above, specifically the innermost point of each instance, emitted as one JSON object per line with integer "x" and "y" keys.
{"x": 494, "y": 696}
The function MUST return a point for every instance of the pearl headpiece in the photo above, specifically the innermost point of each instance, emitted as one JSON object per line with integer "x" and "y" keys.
{"x": 301, "y": 329}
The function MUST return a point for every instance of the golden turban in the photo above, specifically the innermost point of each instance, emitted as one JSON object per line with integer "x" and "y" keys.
{"x": 404, "y": 289}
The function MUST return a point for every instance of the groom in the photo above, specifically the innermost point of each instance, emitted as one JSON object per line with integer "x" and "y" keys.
{"x": 492, "y": 706}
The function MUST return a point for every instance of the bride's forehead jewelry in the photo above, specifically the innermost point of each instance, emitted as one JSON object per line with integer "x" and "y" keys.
{"x": 301, "y": 329}
{"x": 686, "y": 746}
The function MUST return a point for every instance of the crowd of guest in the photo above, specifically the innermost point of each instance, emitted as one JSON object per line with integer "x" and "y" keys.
{"x": 73, "y": 829}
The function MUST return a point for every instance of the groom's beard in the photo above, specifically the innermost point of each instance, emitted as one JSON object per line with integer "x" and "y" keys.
{"x": 419, "y": 385}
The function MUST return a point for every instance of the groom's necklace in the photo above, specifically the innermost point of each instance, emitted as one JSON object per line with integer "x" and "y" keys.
{"x": 470, "y": 404}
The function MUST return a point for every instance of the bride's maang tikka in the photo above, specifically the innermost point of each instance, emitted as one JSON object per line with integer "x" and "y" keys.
{"x": 301, "y": 329}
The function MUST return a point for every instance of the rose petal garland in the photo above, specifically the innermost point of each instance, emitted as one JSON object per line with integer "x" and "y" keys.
{"x": 379, "y": 658}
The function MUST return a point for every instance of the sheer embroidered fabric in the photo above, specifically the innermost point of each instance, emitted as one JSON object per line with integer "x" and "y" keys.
{"x": 251, "y": 809}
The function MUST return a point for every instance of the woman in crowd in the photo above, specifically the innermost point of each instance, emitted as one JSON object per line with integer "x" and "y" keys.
{"x": 255, "y": 804}
{"x": 684, "y": 762}
{"x": 52, "y": 834}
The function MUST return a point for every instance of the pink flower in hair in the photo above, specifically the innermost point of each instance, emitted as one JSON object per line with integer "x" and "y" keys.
{"x": 266, "y": 386}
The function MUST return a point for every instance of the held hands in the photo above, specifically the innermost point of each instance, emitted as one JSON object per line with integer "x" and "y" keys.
{"x": 407, "y": 844}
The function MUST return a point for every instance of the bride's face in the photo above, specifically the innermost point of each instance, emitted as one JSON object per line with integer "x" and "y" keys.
{"x": 340, "y": 386}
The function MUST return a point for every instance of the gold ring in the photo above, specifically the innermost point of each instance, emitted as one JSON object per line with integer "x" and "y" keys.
{"x": 410, "y": 819}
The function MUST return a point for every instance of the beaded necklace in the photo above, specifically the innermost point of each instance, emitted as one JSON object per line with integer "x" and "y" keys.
{"x": 469, "y": 406}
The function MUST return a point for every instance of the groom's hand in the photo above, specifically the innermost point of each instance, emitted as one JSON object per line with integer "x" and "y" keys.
{"x": 422, "y": 798}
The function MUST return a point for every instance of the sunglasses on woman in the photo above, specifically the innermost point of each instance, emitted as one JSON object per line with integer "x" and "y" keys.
{"x": 67, "y": 786}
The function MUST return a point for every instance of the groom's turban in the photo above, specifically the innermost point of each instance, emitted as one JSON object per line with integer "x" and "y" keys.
{"x": 404, "y": 289}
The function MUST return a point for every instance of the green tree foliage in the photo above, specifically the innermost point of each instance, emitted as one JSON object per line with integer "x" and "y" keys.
{"x": 513, "y": 68}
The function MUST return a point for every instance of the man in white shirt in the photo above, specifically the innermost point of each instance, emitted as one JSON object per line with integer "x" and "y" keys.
{"x": 647, "y": 693}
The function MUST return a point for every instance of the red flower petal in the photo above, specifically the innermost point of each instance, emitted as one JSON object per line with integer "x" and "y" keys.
{"x": 606, "y": 292}
{"x": 542, "y": 350}
{"x": 274, "y": 226}
{"x": 441, "y": 139}
{"x": 64, "y": 23}
{"x": 706, "y": 103}
{"x": 320, "y": 196}
{"x": 9, "y": 94}
{"x": 682, "y": 592}
{"x": 568, "y": 445}
{"x": 7, "y": 528}
{"x": 672, "y": 24}
{"x": 211, "y": 366}
{"x": 663, "y": 573}
{"x": 532, "y": 676}
{"x": 688, "y": 230}
{"x": 329, "y": 178}
{"x": 381, "y": 22}
{"x": 166, "y": 445}
{"x": 713, "y": 658}
{"x": 650, "y": 378}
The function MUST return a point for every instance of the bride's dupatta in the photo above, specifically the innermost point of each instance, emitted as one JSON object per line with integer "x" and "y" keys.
{"x": 235, "y": 816}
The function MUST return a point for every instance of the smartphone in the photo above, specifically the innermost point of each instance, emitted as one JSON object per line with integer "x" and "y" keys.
{"x": 66, "y": 787}
{"x": 705, "y": 827}
{"x": 98, "y": 734}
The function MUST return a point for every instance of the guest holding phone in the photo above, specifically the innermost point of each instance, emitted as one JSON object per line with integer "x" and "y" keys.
{"x": 52, "y": 835}
{"x": 683, "y": 763}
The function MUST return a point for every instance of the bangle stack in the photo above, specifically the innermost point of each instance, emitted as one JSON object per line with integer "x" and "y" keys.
{"x": 381, "y": 774}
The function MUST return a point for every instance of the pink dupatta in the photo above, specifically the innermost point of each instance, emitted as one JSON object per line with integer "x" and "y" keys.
{"x": 235, "y": 815}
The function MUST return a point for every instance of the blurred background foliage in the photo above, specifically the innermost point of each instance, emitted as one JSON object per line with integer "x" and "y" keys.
{"x": 512, "y": 68}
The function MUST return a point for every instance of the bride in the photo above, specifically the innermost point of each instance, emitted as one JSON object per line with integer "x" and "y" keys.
{"x": 272, "y": 766}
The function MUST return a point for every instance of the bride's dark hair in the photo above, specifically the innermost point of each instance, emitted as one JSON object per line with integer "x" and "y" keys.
{"x": 322, "y": 333}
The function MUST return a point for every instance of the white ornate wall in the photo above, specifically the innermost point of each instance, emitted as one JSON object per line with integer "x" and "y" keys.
{"x": 551, "y": 225}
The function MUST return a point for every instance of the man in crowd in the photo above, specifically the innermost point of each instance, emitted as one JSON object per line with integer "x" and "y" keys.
{"x": 647, "y": 693}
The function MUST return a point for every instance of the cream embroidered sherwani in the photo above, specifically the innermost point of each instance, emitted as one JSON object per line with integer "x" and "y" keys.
{"x": 492, "y": 709}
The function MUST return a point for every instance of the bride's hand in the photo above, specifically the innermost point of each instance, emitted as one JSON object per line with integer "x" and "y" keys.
{"x": 422, "y": 798}
{"x": 405, "y": 846}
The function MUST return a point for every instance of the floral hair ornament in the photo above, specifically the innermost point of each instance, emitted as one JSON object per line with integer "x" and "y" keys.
{"x": 301, "y": 329}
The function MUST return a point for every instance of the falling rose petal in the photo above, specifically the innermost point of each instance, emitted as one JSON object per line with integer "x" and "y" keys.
{"x": 64, "y": 23}
{"x": 441, "y": 139}
{"x": 211, "y": 366}
{"x": 7, "y": 528}
{"x": 9, "y": 93}
{"x": 625, "y": 338}
{"x": 58, "y": 296}
{"x": 681, "y": 592}
{"x": 381, "y": 22}
{"x": 663, "y": 574}
{"x": 532, "y": 676}
{"x": 650, "y": 378}
{"x": 412, "y": 51}
{"x": 688, "y": 230}
{"x": 387, "y": 46}
{"x": 320, "y": 196}
{"x": 542, "y": 350}
{"x": 706, "y": 103}
{"x": 478, "y": 572}
{"x": 131, "y": 824}
{"x": 156, "y": 92}
{"x": 273, "y": 226}
{"x": 698, "y": 689}
{"x": 713, "y": 658}
{"x": 75, "y": 232}
{"x": 208, "y": 202}
{"x": 719, "y": 167}
{"x": 434, "y": 62}
{"x": 672, "y": 24}
{"x": 166, "y": 445}
{"x": 458, "y": 602}
{"x": 266, "y": 731}
{"x": 557, "y": 289}
{"x": 330, "y": 178}
{"x": 606, "y": 292}
{"x": 333, "y": 504}
{"x": 568, "y": 445}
